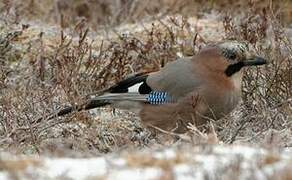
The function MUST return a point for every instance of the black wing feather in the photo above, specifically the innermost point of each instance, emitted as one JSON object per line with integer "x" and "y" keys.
{"x": 122, "y": 86}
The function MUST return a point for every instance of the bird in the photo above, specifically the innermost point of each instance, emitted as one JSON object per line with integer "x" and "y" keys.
{"x": 195, "y": 89}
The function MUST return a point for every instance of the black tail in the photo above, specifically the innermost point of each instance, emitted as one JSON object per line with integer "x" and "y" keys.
{"x": 118, "y": 89}
{"x": 91, "y": 104}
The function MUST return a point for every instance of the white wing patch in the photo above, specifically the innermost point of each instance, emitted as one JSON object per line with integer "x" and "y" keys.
{"x": 135, "y": 87}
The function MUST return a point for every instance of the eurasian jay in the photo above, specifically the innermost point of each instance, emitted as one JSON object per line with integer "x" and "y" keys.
{"x": 188, "y": 90}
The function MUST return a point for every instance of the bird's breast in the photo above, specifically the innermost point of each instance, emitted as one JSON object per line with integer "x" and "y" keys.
{"x": 221, "y": 103}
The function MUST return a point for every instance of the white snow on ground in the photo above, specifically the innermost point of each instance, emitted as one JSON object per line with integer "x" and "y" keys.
{"x": 135, "y": 174}
{"x": 73, "y": 168}
{"x": 191, "y": 162}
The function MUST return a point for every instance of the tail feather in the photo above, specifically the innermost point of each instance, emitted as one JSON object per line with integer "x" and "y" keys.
{"x": 99, "y": 101}
{"x": 90, "y": 104}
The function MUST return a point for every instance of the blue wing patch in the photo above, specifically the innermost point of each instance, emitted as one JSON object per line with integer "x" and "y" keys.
{"x": 157, "y": 97}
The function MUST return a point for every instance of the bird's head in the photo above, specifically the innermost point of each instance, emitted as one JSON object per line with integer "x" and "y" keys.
{"x": 238, "y": 56}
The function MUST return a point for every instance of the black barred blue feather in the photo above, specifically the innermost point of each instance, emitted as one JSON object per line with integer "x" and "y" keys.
{"x": 157, "y": 97}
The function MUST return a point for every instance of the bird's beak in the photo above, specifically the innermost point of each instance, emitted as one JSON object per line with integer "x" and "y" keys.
{"x": 255, "y": 61}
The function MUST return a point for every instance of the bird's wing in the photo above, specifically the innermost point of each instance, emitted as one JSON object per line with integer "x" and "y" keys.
{"x": 134, "y": 88}
{"x": 177, "y": 78}
{"x": 171, "y": 83}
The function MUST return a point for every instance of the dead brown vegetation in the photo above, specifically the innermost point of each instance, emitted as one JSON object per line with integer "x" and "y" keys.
{"x": 41, "y": 73}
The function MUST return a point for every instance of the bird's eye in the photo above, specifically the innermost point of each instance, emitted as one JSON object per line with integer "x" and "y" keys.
{"x": 232, "y": 56}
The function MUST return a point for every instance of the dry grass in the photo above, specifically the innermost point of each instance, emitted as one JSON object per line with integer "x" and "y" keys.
{"x": 45, "y": 67}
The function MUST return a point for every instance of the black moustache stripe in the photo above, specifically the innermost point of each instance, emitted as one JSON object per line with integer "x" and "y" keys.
{"x": 233, "y": 68}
